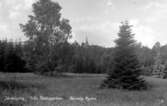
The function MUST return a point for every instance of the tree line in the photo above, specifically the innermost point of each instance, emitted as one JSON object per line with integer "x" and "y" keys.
{"x": 11, "y": 57}
{"x": 67, "y": 57}
{"x": 75, "y": 57}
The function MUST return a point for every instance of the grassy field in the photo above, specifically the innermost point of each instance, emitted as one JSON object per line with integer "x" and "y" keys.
{"x": 76, "y": 85}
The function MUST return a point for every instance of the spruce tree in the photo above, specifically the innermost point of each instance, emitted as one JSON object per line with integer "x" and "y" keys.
{"x": 126, "y": 71}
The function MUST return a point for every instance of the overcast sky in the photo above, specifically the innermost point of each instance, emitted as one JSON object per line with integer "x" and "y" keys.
{"x": 98, "y": 20}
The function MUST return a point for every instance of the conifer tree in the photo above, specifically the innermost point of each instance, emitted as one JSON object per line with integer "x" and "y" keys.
{"x": 126, "y": 71}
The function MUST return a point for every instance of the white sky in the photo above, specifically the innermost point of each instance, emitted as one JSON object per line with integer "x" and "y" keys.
{"x": 97, "y": 19}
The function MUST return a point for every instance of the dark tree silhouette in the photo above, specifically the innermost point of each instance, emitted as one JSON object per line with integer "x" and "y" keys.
{"x": 11, "y": 57}
{"x": 45, "y": 29}
{"x": 126, "y": 71}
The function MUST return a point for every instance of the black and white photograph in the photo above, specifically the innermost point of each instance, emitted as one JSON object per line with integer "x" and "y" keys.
{"x": 83, "y": 53}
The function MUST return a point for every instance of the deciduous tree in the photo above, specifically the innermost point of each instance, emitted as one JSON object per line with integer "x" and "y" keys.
{"x": 45, "y": 29}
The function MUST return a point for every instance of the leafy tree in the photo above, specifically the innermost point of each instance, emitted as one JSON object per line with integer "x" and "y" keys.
{"x": 45, "y": 29}
{"x": 125, "y": 72}
{"x": 158, "y": 68}
{"x": 163, "y": 51}
{"x": 165, "y": 71}
{"x": 146, "y": 58}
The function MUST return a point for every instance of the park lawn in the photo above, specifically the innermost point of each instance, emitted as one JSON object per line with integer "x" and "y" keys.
{"x": 78, "y": 85}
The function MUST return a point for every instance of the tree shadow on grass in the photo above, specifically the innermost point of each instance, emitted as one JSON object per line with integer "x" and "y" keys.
{"x": 17, "y": 88}
{"x": 16, "y": 85}
{"x": 13, "y": 88}
{"x": 7, "y": 103}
